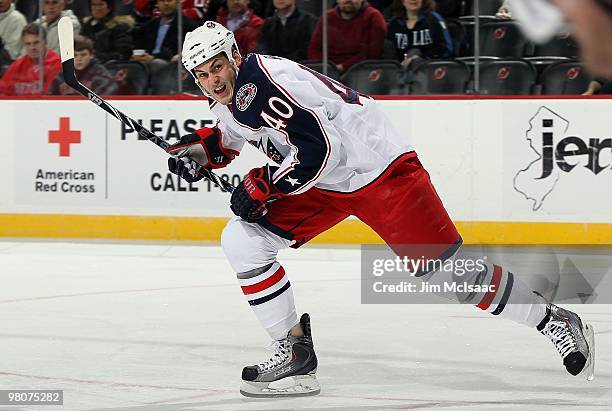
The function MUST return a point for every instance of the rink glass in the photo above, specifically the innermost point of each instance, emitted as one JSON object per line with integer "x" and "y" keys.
{"x": 475, "y": 13}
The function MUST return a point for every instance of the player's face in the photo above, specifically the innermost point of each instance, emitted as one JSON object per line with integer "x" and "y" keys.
{"x": 33, "y": 46}
{"x": 218, "y": 77}
{"x": 53, "y": 9}
{"x": 413, "y": 5}
{"x": 99, "y": 9}
{"x": 82, "y": 59}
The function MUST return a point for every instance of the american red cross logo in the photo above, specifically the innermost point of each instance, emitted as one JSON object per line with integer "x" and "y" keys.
{"x": 64, "y": 136}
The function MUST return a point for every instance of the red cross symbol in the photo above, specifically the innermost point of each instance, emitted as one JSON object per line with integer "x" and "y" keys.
{"x": 64, "y": 137}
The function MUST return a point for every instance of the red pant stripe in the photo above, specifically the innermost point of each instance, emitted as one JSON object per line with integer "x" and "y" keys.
{"x": 267, "y": 283}
{"x": 488, "y": 298}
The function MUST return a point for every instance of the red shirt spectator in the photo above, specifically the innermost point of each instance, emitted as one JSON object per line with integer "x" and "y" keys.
{"x": 356, "y": 32}
{"x": 23, "y": 76}
{"x": 245, "y": 24}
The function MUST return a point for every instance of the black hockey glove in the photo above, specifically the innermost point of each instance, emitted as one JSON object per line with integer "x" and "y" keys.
{"x": 183, "y": 169}
{"x": 204, "y": 146}
{"x": 256, "y": 189}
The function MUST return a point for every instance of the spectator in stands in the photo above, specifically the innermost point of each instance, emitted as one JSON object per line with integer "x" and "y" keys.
{"x": 88, "y": 70}
{"x": 598, "y": 86}
{"x": 156, "y": 41}
{"x": 504, "y": 12}
{"x": 12, "y": 23}
{"x": 287, "y": 33}
{"x": 246, "y": 25}
{"x": 419, "y": 33}
{"x": 23, "y": 76}
{"x": 53, "y": 10}
{"x": 111, "y": 34}
{"x": 356, "y": 32}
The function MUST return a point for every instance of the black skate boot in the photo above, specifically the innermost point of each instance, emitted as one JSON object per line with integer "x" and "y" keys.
{"x": 573, "y": 339}
{"x": 289, "y": 372}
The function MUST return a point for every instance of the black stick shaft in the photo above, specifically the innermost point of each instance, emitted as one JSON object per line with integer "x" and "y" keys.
{"x": 72, "y": 81}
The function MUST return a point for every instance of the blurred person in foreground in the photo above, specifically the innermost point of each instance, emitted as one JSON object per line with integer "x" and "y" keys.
{"x": 88, "y": 70}
{"x": 589, "y": 20}
{"x": 24, "y": 76}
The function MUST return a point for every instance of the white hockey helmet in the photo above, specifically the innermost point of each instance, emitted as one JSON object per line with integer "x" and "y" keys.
{"x": 204, "y": 43}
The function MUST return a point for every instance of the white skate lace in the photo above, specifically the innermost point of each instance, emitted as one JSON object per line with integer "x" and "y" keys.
{"x": 561, "y": 336}
{"x": 282, "y": 351}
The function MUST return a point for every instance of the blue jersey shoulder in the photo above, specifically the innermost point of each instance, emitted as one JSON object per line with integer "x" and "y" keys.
{"x": 252, "y": 90}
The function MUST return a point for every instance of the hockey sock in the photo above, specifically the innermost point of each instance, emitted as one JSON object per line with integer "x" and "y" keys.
{"x": 501, "y": 293}
{"x": 269, "y": 293}
{"x": 511, "y": 298}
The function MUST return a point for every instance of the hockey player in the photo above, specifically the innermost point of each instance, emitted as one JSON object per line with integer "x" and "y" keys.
{"x": 336, "y": 155}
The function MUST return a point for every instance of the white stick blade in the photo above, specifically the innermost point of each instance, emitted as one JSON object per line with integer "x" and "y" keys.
{"x": 66, "y": 38}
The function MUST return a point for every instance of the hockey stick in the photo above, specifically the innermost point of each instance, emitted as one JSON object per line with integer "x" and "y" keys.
{"x": 66, "y": 39}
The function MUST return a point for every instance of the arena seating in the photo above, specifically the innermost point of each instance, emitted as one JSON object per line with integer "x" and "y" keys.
{"x": 507, "y": 77}
{"x": 561, "y": 46}
{"x": 133, "y": 77}
{"x": 565, "y": 77}
{"x": 440, "y": 77}
{"x": 502, "y": 39}
{"x": 375, "y": 77}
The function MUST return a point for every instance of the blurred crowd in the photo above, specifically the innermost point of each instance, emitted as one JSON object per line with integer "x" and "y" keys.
{"x": 133, "y": 46}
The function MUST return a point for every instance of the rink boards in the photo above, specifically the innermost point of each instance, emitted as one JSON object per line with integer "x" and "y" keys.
{"x": 509, "y": 171}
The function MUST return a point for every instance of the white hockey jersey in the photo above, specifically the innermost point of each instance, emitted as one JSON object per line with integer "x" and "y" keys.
{"x": 317, "y": 130}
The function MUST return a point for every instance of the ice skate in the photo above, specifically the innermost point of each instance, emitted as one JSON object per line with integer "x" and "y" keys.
{"x": 289, "y": 372}
{"x": 573, "y": 339}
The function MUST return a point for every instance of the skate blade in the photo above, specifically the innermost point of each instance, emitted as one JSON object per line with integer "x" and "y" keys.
{"x": 589, "y": 368}
{"x": 294, "y": 386}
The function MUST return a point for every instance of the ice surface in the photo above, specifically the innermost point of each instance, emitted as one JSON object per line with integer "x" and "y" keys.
{"x": 160, "y": 327}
